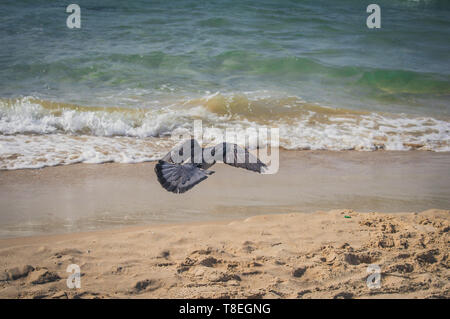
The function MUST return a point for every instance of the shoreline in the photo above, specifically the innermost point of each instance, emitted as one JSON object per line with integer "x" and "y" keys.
{"x": 414, "y": 149}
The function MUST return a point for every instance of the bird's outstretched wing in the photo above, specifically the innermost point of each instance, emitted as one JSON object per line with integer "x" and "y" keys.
{"x": 233, "y": 154}
{"x": 179, "y": 178}
{"x": 189, "y": 149}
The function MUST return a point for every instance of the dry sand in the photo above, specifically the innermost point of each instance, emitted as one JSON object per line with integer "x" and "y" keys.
{"x": 296, "y": 255}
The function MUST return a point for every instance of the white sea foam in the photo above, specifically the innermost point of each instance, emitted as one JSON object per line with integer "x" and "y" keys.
{"x": 37, "y": 151}
{"x": 33, "y": 135}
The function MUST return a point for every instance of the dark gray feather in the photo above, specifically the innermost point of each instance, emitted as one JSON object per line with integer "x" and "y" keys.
{"x": 179, "y": 178}
{"x": 234, "y": 155}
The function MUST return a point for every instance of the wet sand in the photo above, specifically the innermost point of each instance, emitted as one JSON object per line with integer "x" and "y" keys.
{"x": 89, "y": 197}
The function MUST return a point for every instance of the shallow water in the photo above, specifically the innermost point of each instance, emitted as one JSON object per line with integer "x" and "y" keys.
{"x": 137, "y": 72}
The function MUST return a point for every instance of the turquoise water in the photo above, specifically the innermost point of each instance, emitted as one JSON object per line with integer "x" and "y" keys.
{"x": 159, "y": 55}
{"x": 321, "y": 51}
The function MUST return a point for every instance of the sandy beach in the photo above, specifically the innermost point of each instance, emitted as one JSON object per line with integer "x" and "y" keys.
{"x": 319, "y": 255}
{"x": 309, "y": 231}
{"x": 350, "y": 100}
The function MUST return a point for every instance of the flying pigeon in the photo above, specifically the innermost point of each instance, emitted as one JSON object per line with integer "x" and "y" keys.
{"x": 187, "y": 165}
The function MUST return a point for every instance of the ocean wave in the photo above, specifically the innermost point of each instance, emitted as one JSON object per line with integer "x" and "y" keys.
{"x": 36, "y": 133}
{"x": 117, "y": 69}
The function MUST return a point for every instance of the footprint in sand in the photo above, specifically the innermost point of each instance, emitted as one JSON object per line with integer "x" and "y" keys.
{"x": 146, "y": 285}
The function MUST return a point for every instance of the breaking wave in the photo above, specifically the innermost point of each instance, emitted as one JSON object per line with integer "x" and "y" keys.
{"x": 36, "y": 133}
